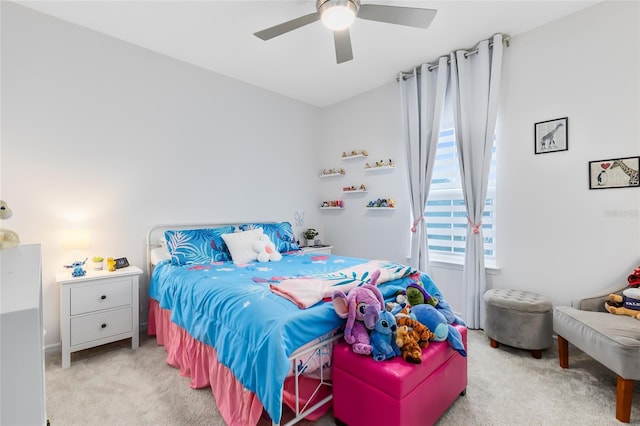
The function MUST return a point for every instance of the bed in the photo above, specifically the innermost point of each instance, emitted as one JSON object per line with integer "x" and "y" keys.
{"x": 227, "y": 323}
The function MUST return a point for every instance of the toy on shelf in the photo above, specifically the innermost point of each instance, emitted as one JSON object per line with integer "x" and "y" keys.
{"x": 387, "y": 203}
{"x": 332, "y": 172}
{"x": 380, "y": 164}
{"x": 332, "y": 204}
{"x": 354, "y": 153}
{"x": 353, "y": 188}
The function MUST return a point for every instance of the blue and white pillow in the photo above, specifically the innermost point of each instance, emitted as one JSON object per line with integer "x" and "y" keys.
{"x": 189, "y": 246}
{"x": 281, "y": 234}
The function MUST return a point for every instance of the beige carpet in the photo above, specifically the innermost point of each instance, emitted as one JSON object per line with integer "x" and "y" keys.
{"x": 116, "y": 386}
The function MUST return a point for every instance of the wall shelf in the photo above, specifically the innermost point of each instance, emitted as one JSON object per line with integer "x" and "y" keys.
{"x": 331, "y": 208}
{"x": 327, "y": 175}
{"x": 380, "y": 208}
{"x": 377, "y": 168}
{"x": 355, "y": 191}
{"x": 349, "y": 157}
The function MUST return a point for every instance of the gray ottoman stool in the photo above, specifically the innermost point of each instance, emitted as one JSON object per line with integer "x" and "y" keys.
{"x": 520, "y": 319}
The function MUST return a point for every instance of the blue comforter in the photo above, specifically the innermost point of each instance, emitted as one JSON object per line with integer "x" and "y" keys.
{"x": 253, "y": 330}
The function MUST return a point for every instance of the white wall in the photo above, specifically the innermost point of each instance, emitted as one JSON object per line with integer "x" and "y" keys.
{"x": 555, "y": 236}
{"x": 371, "y": 122}
{"x": 100, "y": 134}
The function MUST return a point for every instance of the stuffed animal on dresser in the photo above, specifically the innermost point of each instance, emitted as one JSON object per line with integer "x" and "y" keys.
{"x": 353, "y": 306}
{"x": 383, "y": 342}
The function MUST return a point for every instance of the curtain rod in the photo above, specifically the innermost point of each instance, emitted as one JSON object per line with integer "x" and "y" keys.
{"x": 506, "y": 39}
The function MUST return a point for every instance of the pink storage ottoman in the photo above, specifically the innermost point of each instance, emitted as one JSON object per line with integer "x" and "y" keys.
{"x": 395, "y": 392}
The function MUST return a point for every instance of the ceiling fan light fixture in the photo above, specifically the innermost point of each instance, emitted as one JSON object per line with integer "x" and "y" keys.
{"x": 337, "y": 14}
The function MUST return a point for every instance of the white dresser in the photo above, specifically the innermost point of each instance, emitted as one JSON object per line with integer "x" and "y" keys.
{"x": 22, "y": 383}
{"x": 97, "y": 308}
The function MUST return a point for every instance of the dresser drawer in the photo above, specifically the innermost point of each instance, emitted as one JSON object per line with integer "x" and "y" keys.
{"x": 96, "y": 297}
{"x": 100, "y": 325}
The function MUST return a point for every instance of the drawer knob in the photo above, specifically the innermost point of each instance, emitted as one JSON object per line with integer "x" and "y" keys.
{"x": 104, "y": 296}
{"x": 103, "y": 326}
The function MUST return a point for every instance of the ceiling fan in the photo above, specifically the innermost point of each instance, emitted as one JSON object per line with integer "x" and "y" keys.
{"x": 338, "y": 15}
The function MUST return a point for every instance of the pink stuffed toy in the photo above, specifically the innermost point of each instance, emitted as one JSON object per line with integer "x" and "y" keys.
{"x": 359, "y": 319}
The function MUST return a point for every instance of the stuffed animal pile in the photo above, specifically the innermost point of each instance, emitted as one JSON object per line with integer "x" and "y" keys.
{"x": 398, "y": 328}
{"x": 629, "y": 303}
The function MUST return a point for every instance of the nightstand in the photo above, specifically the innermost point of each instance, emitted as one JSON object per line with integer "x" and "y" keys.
{"x": 321, "y": 249}
{"x": 97, "y": 308}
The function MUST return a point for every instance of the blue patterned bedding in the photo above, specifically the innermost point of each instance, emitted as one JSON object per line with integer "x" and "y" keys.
{"x": 254, "y": 330}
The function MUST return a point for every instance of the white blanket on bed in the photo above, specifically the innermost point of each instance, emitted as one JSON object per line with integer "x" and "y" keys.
{"x": 306, "y": 292}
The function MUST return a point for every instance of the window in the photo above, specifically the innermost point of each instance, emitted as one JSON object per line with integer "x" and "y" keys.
{"x": 445, "y": 213}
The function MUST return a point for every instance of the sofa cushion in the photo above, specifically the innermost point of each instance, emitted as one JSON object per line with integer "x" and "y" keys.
{"x": 612, "y": 340}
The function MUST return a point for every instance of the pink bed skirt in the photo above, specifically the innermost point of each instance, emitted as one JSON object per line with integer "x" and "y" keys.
{"x": 194, "y": 359}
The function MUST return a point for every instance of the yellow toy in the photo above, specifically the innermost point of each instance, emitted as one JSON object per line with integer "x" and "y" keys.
{"x": 111, "y": 263}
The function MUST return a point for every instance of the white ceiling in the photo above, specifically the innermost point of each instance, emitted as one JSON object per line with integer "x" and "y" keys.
{"x": 218, "y": 35}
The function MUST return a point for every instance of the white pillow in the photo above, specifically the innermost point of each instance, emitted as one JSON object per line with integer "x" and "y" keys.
{"x": 240, "y": 245}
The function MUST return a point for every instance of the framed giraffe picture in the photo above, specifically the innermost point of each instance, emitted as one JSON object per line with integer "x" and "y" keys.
{"x": 551, "y": 135}
{"x": 614, "y": 173}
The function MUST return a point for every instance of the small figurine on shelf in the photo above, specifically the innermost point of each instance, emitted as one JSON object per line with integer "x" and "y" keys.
{"x": 344, "y": 154}
{"x": 325, "y": 204}
{"x": 364, "y": 153}
{"x": 379, "y": 163}
{"x": 363, "y": 188}
{"x": 390, "y": 163}
{"x": 341, "y": 171}
{"x": 354, "y": 152}
{"x": 392, "y": 203}
{"x": 367, "y": 166}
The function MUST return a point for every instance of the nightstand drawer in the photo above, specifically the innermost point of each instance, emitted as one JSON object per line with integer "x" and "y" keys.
{"x": 100, "y": 325}
{"x": 101, "y": 296}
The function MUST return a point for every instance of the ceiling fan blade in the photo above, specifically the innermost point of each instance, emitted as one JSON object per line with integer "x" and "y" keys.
{"x": 409, "y": 16}
{"x": 285, "y": 27}
{"x": 342, "y": 40}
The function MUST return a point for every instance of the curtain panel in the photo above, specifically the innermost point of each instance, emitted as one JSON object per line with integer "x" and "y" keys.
{"x": 422, "y": 101}
{"x": 475, "y": 87}
{"x": 470, "y": 80}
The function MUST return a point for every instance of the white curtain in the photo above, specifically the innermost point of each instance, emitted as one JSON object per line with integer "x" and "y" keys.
{"x": 422, "y": 98}
{"x": 475, "y": 86}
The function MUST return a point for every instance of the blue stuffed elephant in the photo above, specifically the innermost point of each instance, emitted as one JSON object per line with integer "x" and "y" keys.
{"x": 438, "y": 324}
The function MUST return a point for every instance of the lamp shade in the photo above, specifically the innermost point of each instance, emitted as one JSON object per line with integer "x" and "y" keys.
{"x": 76, "y": 239}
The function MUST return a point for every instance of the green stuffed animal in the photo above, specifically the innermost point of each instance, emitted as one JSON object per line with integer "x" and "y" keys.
{"x": 417, "y": 295}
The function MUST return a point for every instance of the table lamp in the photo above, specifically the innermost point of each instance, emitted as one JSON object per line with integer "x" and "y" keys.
{"x": 76, "y": 240}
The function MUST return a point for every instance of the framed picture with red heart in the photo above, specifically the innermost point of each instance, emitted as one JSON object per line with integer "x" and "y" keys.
{"x": 614, "y": 173}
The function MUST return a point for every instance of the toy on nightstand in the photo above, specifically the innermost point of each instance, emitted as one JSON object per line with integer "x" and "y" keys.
{"x": 111, "y": 264}
{"x": 78, "y": 271}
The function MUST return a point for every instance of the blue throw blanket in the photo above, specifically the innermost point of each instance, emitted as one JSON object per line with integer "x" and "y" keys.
{"x": 254, "y": 330}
